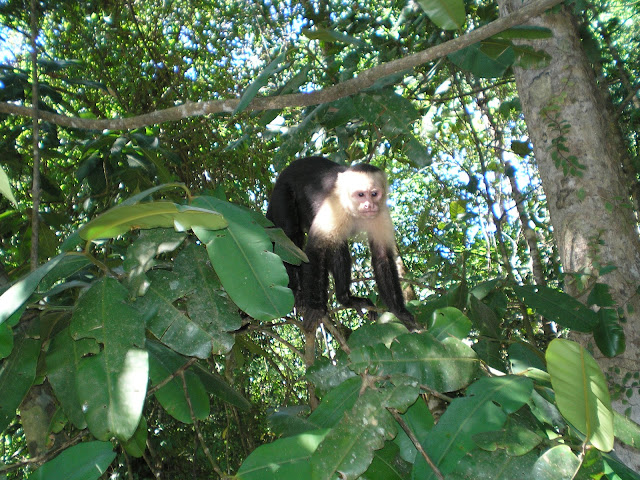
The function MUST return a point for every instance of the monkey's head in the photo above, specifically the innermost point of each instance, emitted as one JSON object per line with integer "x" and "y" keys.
{"x": 363, "y": 190}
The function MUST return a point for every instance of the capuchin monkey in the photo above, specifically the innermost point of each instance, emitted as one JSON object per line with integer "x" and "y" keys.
{"x": 331, "y": 203}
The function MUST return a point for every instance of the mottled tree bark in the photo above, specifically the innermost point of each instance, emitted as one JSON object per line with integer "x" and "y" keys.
{"x": 592, "y": 214}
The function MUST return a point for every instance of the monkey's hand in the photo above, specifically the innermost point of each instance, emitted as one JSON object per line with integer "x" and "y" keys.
{"x": 407, "y": 319}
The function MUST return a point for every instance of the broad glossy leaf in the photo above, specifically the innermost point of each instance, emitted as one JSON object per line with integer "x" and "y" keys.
{"x": 482, "y": 61}
{"x": 609, "y": 334}
{"x": 62, "y": 368}
{"x": 626, "y": 430}
{"x": 217, "y": 386}
{"x": 375, "y": 333}
{"x": 17, "y": 373}
{"x": 84, "y": 461}
{"x": 387, "y": 464}
{"x": 447, "y": 14}
{"x": 558, "y": 306}
{"x": 419, "y": 419}
{"x": 5, "y": 187}
{"x": 452, "y": 437}
{"x": 515, "y": 438}
{"x": 284, "y": 459}
{"x": 449, "y": 322}
{"x": 12, "y": 299}
{"x": 347, "y": 451}
{"x": 510, "y": 392}
{"x": 557, "y": 463}
{"x": 581, "y": 391}
{"x": 163, "y": 363}
{"x": 523, "y": 356}
{"x": 112, "y": 384}
{"x": 261, "y": 80}
{"x": 123, "y": 218}
{"x": 530, "y": 32}
{"x": 335, "y": 403}
{"x": 497, "y": 465}
{"x": 252, "y": 275}
{"x": 203, "y": 329}
{"x": 285, "y": 248}
{"x": 137, "y": 444}
{"x": 444, "y": 366}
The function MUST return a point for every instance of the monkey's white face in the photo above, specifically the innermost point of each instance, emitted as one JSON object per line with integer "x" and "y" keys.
{"x": 365, "y": 193}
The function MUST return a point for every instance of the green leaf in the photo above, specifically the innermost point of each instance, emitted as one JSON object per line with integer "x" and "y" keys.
{"x": 121, "y": 219}
{"x": 261, "y": 80}
{"x": 447, "y": 14}
{"x": 557, "y": 462}
{"x": 217, "y": 386}
{"x": 496, "y": 465}
{"x": 558, "y": 306}
{"x": 581, "y": 391}
{"x": 626, "y": 430}
{"x": 12, "y": 299}
{"x": 111, "y": 384}
{"x": 137, "y": 444}
{"x": 609, "y": 334}
{"x": 484, "y": 59}
{"x": 163, "y": 363}
{"x": 5, "y": 187}
{"x": 17, "y": 373}
{"x": 203, "y": 328}
{"x": 521, "y": 148}
{"x": 449, "y": 322}
{"x": 283, "y": 459}
{"x": 62, "y": 370}
{"x": 331, "y": 36}
{"x": 420, "y": 421}
{"x": 510, "y": 392}
{"x": 530, "y": 32}
{"x": 387, "y": 464}
{"x": 285, "y": 248}
{"x": 452, "y": 437}
{"x": 347, "y": 451}
{"x": 336, "y": 403}
{"x": 85, "y": 461}
{"x": 444, "y": 366}
{"x": 252, "y": 275}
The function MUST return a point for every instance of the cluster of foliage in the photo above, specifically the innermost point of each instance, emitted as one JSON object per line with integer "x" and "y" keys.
{"x": 166, "y": 323}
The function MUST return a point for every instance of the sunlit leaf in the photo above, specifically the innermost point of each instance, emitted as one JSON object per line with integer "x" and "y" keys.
{"x": 84, "y": 461}
{"x": 581, "y": 391}
{"x": 447, "y": 14}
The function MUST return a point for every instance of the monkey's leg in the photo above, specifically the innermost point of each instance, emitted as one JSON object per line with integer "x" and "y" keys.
{"x": 386, "y": 272}
{"x": 341, "y": 271}
{"x": 315, "y": 286}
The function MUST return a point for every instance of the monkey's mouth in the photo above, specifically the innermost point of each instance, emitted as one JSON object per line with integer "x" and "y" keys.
{"x": 369, "y": 213}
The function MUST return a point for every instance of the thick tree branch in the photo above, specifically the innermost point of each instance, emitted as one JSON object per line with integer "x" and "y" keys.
{"x": 349, "y": 87}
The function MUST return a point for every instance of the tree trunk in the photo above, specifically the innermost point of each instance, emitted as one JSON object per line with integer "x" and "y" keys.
{"x": 587, "y": 189}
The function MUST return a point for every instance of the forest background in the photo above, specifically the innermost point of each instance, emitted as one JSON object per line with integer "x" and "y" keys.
{"x": 146, "y": 330}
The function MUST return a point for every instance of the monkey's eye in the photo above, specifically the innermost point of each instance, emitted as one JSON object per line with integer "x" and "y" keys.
{"x": 374, "y": 194}
{"x": 361, "y": 194}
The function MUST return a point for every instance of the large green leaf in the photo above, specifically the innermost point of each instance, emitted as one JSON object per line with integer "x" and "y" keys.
{"x": 17, "y": 373}
{"x": 123, "y": 218}
{"x": 5, "y": 187}
{"x": 336, "y": 403}
{"x": 62, "y": 368}
{"x": 203, "y": 328}
{"x": 609, "y": 334}
{"x": 85, "y": 461}
{"x": 252, "y": 275}
{"x": 489, "y": 59}
{"x": 347, "y": 451}
{"x": 19, "y": 292}
{"x": 449, "y": 321}
{"x": 163, "y": 363}
{"x": 447, "y": 14}
{"x": 112, "y": 384}
{"x": 581, "y": 391}
{"x": 558, "y": 306}
{"x": 444, "y": 366}
{"x": 452, "y": 437}
{"x": 261, "y": 80}
{"x": 557, "y": 463}
{"x": 496, "y": 465}
{"x": 284, "y": 459}
{"x": 217, "y": 386}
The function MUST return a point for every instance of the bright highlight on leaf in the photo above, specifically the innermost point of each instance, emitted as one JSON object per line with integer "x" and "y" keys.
{"x": 121, "y": 219}
{"x": 5, "y": 187}
{"x": 581, "y": 391}
{"x": 447, "y": 14}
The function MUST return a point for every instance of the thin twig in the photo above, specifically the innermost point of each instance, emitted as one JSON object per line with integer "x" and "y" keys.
{"x": 415, "y": 442}
{"x": 35, "y": 189}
